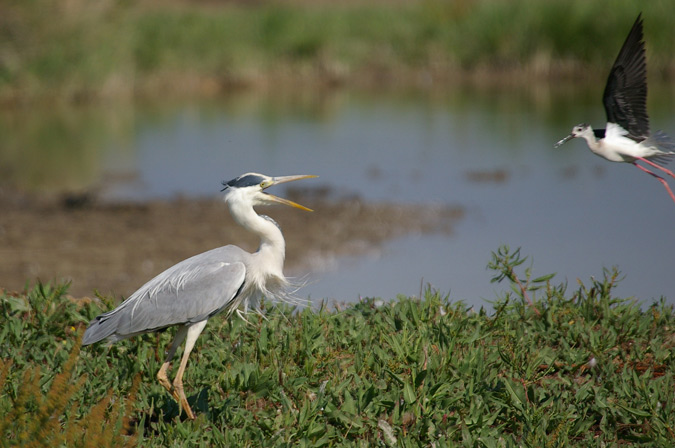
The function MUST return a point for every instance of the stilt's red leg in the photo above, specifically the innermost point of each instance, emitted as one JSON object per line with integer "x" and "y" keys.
{"x": 659, "y": 178}
{"x": 656, "y": 165}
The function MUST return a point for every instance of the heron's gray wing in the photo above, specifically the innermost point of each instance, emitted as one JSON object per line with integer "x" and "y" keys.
{"x": 188, "y": 292}
{"x": 625, "y": 96}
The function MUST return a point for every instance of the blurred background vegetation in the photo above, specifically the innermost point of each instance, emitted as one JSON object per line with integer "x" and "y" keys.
{"x": 77, "y": 50}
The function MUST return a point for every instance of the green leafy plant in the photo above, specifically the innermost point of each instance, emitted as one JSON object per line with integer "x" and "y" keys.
{"x": 587, "y": 368}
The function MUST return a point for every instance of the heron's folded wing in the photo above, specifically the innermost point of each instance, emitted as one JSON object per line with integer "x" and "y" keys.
{"x": 188, "y": 292}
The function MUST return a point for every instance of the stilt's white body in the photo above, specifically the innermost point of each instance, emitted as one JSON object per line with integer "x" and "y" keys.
{"x": 617, "y": 146}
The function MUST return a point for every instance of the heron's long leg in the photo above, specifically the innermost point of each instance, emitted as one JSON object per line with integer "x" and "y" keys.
{"x": 656, "y": 165}
{"x": 161, "y": 375}
{"x": 659, "y": 178}
{"x": 193, "y": 332}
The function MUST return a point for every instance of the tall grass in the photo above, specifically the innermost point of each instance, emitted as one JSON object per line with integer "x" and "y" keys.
{"x": 40, "y": 405}
{"x": 80, "y": 49}
{"x": 585, "y": 369}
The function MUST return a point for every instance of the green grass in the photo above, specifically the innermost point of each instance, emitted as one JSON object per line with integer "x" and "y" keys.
{"x": 90, "y": 50}
{"x": 410, "y": 372}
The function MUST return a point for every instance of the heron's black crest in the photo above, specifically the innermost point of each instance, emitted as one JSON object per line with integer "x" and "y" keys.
{"x": 247, "y": 180}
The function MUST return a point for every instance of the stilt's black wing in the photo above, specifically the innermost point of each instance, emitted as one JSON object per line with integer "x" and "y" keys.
{"x": 625, "y": 96}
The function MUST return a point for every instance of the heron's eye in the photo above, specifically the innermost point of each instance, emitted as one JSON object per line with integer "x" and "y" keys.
{"x": 264, "y": 184}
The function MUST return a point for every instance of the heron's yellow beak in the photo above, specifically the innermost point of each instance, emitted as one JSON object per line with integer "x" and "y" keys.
{"x": 282, "y": 180}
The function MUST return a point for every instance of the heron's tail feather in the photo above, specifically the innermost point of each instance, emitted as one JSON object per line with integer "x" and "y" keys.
{"x": 99, "y": 329}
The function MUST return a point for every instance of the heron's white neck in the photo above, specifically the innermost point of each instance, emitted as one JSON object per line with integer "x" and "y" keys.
{"x": 272, "y": 244}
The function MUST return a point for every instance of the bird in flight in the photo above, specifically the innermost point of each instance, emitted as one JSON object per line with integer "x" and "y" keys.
{"x": 627, "y": 137}
{"x": 225, "y": 279}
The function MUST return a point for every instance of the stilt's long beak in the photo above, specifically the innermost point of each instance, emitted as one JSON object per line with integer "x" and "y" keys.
{"x": 284, "y": 179}
{"x": 563, "y": 141}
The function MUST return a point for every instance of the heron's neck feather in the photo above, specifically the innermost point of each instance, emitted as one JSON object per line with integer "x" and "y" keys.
{"x": 272, "y": 244}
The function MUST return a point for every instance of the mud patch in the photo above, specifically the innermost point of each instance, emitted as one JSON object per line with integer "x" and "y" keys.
{"x": 115, "y": 248}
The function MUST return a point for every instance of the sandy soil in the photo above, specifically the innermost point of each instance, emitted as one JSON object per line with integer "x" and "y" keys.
{"x": 115, "y": 248}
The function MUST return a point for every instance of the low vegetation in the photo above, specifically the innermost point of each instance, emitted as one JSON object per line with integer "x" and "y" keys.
{"x": 81, "y": 50}
{"x": 549, "y": 366}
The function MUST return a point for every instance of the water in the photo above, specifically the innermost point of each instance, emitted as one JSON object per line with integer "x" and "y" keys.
{"x": 488, "y": 151}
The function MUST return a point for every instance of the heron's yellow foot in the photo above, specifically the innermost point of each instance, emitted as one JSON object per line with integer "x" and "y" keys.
{"x": 176, "y": 391}
{"x": 163, "y": 379}
{"x": 182, "y": 399}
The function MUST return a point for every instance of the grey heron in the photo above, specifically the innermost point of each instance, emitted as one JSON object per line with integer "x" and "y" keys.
{"x": 627, "y": 137}
{"x": 220, "y": 280}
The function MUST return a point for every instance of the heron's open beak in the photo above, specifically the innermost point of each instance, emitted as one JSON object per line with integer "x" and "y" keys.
{"x": 565, "y": 140}
{"x": 283, "y": 180}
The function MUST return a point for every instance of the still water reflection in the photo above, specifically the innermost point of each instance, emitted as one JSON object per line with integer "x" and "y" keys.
{"x": 488, "y": 151}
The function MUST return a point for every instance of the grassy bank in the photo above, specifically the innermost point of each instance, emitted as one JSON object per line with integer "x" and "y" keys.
{"x": 577, "y": 367}
{"x": 81, "y": 50}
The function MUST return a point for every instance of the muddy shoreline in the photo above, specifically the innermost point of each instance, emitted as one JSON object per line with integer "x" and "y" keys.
{"x": 113, "y": 248}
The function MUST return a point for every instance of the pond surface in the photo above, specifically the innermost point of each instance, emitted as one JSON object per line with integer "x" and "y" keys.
{"x": 488, "y": 151}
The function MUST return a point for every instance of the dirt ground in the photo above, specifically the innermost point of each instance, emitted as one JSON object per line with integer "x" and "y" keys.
{"x": 116, "y": 248}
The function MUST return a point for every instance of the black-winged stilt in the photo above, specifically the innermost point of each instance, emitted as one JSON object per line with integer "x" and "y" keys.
{"x": 627, "y": 137}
